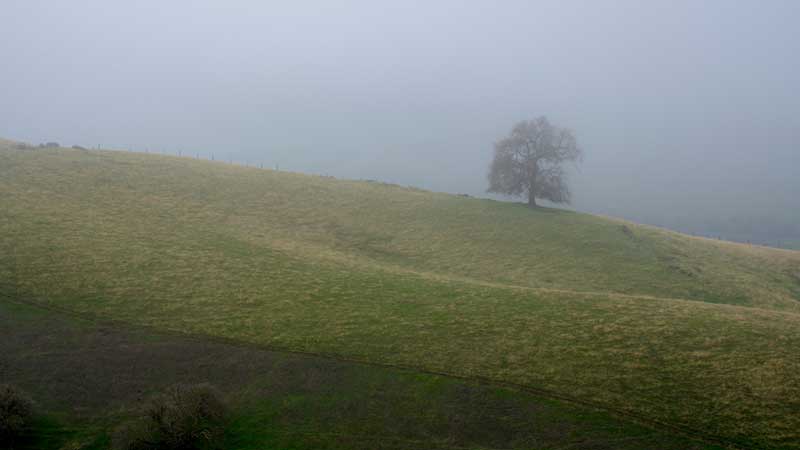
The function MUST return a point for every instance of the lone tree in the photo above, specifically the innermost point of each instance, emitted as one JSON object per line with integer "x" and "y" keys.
{"x": 530, "y": 162}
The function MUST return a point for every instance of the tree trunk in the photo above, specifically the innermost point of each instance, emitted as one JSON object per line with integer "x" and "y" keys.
{"x": 532, "y": 190}
{"x": 531, "y": 199}
{"x": 532, "y": 185}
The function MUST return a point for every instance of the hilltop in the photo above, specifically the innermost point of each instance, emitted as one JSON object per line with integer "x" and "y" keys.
{"x": 688, "y": 332}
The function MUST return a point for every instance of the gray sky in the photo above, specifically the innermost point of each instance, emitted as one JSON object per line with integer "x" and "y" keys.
{"x": 688, "y": 112}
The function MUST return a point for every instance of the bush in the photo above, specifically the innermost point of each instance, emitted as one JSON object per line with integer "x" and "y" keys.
{"x": 186, "y": 417}
{"x": 16, "y": 412}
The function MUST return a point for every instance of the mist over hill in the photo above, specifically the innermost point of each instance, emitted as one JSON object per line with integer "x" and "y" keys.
{"x": 399, "y": 224}
{"x": 688, "y": 112}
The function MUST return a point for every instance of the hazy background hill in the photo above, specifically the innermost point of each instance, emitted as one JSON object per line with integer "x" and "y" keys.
{"x": 688, "y": 111}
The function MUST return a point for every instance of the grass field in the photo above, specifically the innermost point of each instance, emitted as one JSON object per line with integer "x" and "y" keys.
{"x": 688, "y": 332}
{"x": 88, "y": 373}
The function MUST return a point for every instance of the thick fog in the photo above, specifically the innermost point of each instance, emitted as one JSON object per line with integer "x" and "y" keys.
{"x": 688, "y": 112}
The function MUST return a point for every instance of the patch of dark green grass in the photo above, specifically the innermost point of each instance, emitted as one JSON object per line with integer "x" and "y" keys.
{"x": 282, "y": 400}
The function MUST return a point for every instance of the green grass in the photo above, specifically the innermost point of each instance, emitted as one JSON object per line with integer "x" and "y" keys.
{"x": 680, "y": 330}
{"x": 87, "y": 376}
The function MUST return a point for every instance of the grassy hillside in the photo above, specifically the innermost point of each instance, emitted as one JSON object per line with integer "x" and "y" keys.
{"x": 87, "y": 374}
{"x": 685, "y": 331}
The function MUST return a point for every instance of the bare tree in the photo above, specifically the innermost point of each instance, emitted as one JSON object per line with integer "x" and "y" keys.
{"x": 530, "y": 162}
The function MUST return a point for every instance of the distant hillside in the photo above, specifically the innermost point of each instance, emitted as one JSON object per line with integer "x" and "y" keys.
{"x": 793, "y": 244}
{"x": 687, "y": 331}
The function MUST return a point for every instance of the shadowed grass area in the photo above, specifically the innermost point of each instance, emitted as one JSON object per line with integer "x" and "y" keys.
{"x": 574, "y": 304}
{"x": 90, "y": 375}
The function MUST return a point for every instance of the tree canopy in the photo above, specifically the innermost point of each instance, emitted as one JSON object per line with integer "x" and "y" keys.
{"x": 530, "y": 161}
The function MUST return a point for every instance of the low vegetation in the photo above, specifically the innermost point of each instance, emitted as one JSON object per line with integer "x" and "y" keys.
{"x": 185, "y": 417}
{"x": 688, "y": 332}
{"x": 16, "y": 415}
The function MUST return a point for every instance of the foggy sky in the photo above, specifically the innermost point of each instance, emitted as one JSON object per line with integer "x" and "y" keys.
{"x": 688, "y": 112}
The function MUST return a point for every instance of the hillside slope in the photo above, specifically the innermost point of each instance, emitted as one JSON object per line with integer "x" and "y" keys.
{"x": 685, "y": 331}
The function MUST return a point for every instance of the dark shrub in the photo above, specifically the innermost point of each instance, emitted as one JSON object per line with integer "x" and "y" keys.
{"x": 16, "y": 412}
{"x": 186, "y": 417}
